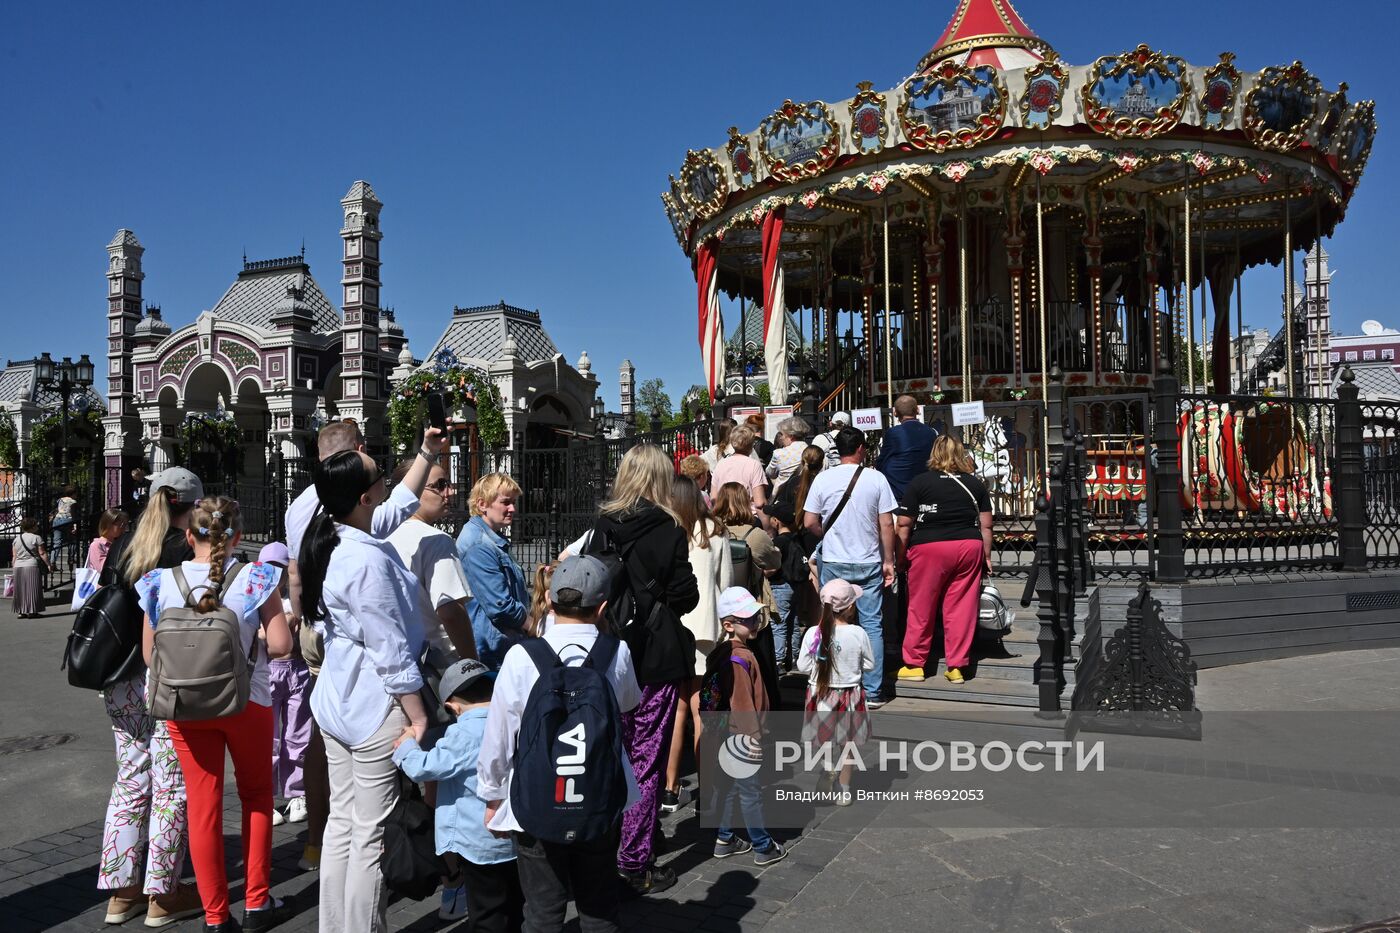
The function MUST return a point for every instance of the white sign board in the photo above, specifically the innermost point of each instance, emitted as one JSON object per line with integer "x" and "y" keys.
{"x": 867, "y": 419}
{"x": 968, "y": 413}
{"x": 773, "y": 415}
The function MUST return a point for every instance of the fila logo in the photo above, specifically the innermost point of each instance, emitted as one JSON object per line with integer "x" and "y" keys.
{"x": 568, "y": 765}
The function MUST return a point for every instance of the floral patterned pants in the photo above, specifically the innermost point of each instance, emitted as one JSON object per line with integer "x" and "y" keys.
{"x": 148, "y": 798}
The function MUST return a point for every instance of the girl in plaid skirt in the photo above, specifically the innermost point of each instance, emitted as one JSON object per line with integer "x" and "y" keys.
{"x": 834, "y": 655}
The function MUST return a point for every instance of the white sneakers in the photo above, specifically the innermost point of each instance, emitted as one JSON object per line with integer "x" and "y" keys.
{"x": 296, "y": 810}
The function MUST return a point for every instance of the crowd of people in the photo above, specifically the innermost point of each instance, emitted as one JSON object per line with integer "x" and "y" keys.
{"x": 373, "y": 653}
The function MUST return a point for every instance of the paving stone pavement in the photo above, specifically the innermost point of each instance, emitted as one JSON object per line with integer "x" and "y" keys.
{"x": 867, "y": 868}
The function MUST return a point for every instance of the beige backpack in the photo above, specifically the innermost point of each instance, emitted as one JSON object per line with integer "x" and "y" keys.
{"x": 199, "y": 669}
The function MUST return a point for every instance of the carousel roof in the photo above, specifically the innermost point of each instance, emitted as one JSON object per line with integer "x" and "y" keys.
{"x": 987, "y": 32}
{"x": 475, "y": 335}
{"x": 263, "y": 285}
{"x": 996, "y": 122}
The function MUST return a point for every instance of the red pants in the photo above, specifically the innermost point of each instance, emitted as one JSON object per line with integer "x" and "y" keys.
{"x": 943, "y": 575}
{"x": 200, "y": 745}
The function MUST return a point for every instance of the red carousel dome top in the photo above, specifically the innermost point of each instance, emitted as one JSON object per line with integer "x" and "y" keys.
{"x": 987, "y": 32}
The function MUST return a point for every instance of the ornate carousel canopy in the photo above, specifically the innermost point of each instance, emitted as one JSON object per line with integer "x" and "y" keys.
{"x": 999, "y": 187}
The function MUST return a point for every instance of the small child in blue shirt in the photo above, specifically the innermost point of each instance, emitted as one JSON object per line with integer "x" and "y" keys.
{"x": 484, "y": 863}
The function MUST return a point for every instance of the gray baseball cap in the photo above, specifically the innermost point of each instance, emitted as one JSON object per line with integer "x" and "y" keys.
{"x": 186, "y": 486}
{"x": 460, "y": 675}
{"x": 585, "y": 574}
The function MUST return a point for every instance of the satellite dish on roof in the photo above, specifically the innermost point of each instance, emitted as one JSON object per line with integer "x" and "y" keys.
{"x": 1372, "y": 328}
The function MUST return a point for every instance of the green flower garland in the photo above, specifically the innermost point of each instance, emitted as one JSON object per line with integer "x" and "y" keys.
{"x": 46, "y": 436}
{"x": 460, "y": 385}
{"x": 209, "y": 430}
{"x": 9, "y": 441}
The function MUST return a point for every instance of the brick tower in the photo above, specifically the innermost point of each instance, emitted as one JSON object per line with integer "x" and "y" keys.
{"x": 360, "y": 372}
{"x": 122, "y": 427}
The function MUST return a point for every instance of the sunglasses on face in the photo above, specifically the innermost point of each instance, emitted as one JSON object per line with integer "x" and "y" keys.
{"x": 440, "y": 487}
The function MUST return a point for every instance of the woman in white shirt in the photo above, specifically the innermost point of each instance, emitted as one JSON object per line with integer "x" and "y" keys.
{"x": 367, "y": 693}
{"x": 214, "y": 531}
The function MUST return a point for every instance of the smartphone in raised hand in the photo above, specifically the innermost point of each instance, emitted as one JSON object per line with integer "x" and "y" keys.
{"x": 437, "y": 411}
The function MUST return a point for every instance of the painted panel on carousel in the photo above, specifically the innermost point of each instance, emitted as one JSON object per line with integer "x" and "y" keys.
{"x": 1357, "y": 137}
{"x": 868, "y": 124}
{"x": 703, "y": 183}
{"x": 740, "y": 158}
{"x": 1280, "y": 108}
{"x": 799, "y": 140}
{"x": 674, "y": 215}
{"x": 1222, "y": 88}
{"x": 955, "y": 107}
{"x": 1332, "y": 119}
{"x": 678, "y": 200}
{"x": 1043, "y": 98}
{"x": 1138, "y": 94}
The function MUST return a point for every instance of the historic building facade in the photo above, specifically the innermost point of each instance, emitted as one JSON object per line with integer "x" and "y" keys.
{"x": 277, "y": 356}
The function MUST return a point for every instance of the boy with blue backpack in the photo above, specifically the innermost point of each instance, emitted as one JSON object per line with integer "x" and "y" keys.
{"x": 485, "y": 864}
{"x": 552, "y": 769}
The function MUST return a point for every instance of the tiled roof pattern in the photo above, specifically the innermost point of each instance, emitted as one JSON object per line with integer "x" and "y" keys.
{"x": 16, "y": 383}
{"x": 124, "y": 237}
{"x": 475, "y": 335}
{"x": 252, "y": 299}
{"x": 753, "y": 330}
{"x": 1376, "y": 381}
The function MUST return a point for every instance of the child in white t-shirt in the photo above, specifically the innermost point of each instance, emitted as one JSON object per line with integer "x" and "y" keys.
{"x": 834, "y": 655}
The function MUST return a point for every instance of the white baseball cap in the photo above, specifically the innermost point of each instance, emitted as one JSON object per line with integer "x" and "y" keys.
{"x": 840, "y": 417}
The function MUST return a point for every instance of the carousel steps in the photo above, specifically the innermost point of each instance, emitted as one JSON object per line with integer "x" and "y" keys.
{"x": 1002, "y": 672}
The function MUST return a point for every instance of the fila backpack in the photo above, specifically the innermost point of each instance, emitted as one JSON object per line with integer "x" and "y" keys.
{"x": 569, "y": 784}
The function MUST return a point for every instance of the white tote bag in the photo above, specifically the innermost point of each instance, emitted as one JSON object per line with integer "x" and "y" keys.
{"x": 84, "y": 585}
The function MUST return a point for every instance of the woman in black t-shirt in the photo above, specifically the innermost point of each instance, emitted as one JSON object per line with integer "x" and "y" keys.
{"x": 945, "y": 523}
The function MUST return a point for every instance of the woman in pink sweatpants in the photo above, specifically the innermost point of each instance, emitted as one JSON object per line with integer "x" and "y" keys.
{"x": 945, "y": 524}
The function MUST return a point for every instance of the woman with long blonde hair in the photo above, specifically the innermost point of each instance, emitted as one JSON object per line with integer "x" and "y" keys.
{"x": 146, "y": 813}
{"x": 638, "y": 523}
{"x": 714, "y": 571}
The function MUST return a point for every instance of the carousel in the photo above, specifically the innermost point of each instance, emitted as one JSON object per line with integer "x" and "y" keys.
{"x": 1003, "y": 212}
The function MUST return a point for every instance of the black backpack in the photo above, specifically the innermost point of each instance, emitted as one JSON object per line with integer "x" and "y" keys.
{"x": 636, "y": 609}
{"x": 568, "y": 784}
{"x": 104, "y": 647}
{"x": 410, "y": 863}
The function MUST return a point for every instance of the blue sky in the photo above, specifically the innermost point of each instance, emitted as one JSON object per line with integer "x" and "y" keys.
{"x": 519, "y": 148}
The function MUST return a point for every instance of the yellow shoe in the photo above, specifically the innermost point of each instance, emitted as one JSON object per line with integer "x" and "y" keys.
{"x": 954, "y": 675}
{"x": 910, "y": 673}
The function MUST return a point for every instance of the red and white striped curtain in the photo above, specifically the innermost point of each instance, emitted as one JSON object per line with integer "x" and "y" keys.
{"x": 711, "y": 321}
{"x": 774, "y": 307}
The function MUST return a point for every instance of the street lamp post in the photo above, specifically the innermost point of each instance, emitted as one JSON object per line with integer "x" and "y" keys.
{"x": 65, "y": 378}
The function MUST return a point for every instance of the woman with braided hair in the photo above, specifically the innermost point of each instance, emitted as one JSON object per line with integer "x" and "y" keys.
{"x": 251, "y": 594}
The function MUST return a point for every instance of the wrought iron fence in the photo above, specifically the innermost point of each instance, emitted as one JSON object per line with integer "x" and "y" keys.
{"x": 1112, "y": 435}
{"x": 32, "y": 493}
{"x": 1380, "y": 458}
{"x": 1256, "y": 485}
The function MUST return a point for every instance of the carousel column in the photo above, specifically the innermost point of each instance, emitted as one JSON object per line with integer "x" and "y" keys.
{"x": 1149, "y": 258}
{"x": 1016, "y": 267}
{"x": 933, "y": 260}
{"x": 1093, "y": 265}
{"x": 867, "y": 273}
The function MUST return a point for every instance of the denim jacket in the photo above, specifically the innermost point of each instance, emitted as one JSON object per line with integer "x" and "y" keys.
{"x": 459, "y": 822}
{"x": 499, "y": 597}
